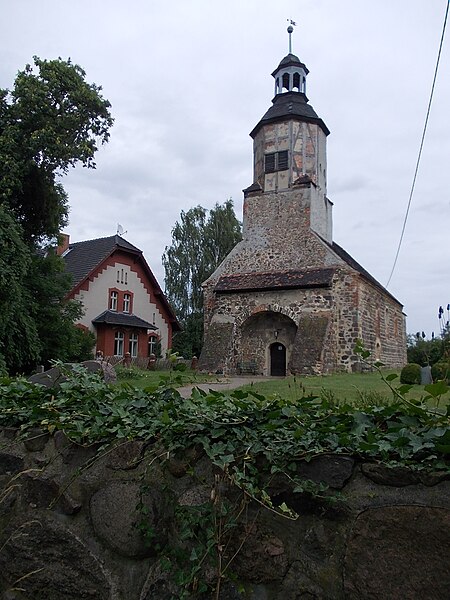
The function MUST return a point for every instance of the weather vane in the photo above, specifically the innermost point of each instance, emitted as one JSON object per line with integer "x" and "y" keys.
{"x": 290, "y": 29}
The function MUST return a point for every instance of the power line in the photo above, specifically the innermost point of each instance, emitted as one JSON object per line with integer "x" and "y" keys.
{"x": 421, "y": 147}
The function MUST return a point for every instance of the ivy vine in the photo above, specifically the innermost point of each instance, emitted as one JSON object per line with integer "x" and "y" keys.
{"x": 250, "y": 439}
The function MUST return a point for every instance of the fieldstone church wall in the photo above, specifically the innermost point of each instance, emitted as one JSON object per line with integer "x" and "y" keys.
{"x": 67, "y": 531}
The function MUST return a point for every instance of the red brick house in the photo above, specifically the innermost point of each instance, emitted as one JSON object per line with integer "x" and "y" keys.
{"x": 124, "y": 305}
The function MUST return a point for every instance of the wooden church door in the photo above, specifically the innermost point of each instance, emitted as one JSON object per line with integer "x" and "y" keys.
{"x": 278, "y": 359}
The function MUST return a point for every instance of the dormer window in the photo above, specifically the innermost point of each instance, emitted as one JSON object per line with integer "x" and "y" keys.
{"x": 276, "y": 161}
{"x": 113, "y": 300}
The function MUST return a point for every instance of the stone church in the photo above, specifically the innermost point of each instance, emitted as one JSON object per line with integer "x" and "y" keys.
{"x": 287, "y": 299}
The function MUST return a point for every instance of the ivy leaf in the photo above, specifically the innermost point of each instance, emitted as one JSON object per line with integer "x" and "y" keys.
{"x": 391, "y": 377}
{"x": 437, "y": 389}
{"x": 361, "y": 423}
{"x": 165, "y": 419}
{"x": 194, "y": 555}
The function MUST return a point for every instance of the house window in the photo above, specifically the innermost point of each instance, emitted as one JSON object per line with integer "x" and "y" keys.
{"x": 118, "y": 344}
{"x": 113, "y": 300}
{"x": 126, "y": 303}
{"x": 152, "y": 341}
{"x": 276, "y": 161}
{"x": 133, "y": 345}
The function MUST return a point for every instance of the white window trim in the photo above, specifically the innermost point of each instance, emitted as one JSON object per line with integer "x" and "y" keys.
{"x": 119, "y": 340}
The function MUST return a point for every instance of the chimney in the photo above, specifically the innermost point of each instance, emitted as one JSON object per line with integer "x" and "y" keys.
{"x": 64, "y": 241}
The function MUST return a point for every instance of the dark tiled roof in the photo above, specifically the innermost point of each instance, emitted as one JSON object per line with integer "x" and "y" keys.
{"x": 290, "y": 60}
{"x": 275, "y": 280}
{"x": 84, "y": 257}
{"x": 111, "y": 317}
{"x": 361, "y": 270}
{"x": 290, "y": 105}
{"x": 255, "y": 187}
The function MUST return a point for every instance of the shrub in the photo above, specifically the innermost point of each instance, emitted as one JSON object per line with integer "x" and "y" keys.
{"x": 130, "y": 372}
{"x": 441, "y": 371}
{"x": 410, "y": 374}
{"x": 424, "y": 352}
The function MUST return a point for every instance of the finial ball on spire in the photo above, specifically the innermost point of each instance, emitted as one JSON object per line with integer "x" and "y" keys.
{"x": 290, "y": 29}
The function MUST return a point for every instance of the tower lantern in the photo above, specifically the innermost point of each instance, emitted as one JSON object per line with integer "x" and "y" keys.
{"x": 290, "y": 75}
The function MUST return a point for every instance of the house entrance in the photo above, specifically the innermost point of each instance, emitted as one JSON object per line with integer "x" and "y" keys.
{"x": 278, "y": 359}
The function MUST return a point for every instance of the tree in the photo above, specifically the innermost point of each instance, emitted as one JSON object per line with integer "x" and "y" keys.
{"x": 19, "y": 340}
{"x": 429, "y": 352}
{"x": 50, "y": 121}
{"x": 200, "y": 241}
{"x": 422, "y": 351}
{"x": 53, "y": 315}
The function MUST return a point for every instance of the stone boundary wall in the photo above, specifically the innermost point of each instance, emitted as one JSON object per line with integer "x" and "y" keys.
{"x": 68, "y": 532}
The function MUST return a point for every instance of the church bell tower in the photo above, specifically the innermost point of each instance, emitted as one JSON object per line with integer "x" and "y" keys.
{"x": 289, "y": 145}
{"x": 287, "y": 299}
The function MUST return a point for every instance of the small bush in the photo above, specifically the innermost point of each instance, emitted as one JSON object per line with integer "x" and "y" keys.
{"x": 410, "y": 374}
{"x": 128, "y": 372}
{"x": 441, "y": 371}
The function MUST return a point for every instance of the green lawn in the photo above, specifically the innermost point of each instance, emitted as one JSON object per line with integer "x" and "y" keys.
{"x": 141, "y": 378}
{"x": 357, "y": 388}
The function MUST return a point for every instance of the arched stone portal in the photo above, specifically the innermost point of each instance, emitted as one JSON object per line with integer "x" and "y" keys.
{"x": 277, "y": 359}
{"x": 259, "y": 332}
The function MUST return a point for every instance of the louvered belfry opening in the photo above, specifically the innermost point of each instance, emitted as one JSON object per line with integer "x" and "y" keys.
{"x": 276, "y": 161}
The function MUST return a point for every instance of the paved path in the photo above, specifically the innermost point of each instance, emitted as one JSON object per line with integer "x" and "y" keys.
{"x": 227, "y": 383}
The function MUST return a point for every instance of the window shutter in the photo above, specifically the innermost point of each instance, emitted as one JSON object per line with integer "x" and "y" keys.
{"x": 283, "y": 162}
{"x": 269, "y": 163}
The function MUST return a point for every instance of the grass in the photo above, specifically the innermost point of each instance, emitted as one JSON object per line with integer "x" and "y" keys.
{"x": 354, "y": 388}
{"x": 140, "y": 378}
{"x": 361, "y": 389}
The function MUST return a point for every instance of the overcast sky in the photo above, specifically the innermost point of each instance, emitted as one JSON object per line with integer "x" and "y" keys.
{"x": 189, "y": 79}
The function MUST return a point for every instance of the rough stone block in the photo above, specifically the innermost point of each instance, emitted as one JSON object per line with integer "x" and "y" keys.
{"x": 52, "y": 563}
{"x": 333, "y": 470}
{"x": 116, "y": 503}
{"x": 10, "y": 464}
{"x": 399, "y": 552}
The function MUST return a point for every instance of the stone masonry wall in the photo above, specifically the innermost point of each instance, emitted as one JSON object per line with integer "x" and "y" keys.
{"x": 382, "y": 325}
{"x": 66, "y": 536}
{"x": 275, "y": 311}
{"x": 277, "y": 236}
{"x": 352, "y": 309}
